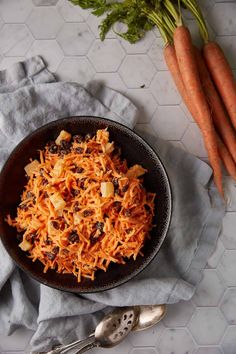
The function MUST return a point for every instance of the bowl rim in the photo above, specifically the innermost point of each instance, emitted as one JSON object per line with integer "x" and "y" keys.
{"x": 168, "y": 216}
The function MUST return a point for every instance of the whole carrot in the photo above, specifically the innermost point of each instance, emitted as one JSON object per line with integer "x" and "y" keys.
{"x": 227, "y": 159}
{"x": 171, "y": 61}
{"x": 219, "y": 116}
{"x": 222, "y": 75}
{"x": 189, "y": 72}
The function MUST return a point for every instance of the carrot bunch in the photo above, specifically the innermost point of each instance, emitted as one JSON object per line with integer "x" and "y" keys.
{"x": 204, "y": 78}
{"x": 206, "y": 83}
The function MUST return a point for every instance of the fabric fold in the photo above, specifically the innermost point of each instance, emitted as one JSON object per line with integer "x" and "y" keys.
{"x": 31, "y": 97}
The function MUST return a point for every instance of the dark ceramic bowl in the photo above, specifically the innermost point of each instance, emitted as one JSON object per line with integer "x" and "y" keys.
{"x": 135, "y": 150}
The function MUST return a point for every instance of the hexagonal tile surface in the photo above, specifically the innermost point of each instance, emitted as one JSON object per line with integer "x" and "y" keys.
{"x": 20, "y": 336}
{"x": 112, "y": 80}
{"x": 210, "y": 289}
{"x": 143, "y": 351}
{"x": 163, "y": 88}
{"x": 15, "y": 39}
{"x": 137, "y": 71}
{"x": 106, "y": 56}
{"x": 226, "y": 27}
{"x": 139, "y": 47}
{"x": 72, "y": 13}
{"x": 75, "y": 38}
{"x": 227, "y": 267}
{"x": 228, "y": 44}
{"x": 49, "y": 50}
{"x": 156, "y": 54}
{"x": 45, "y": 2}
{"x": 75, "y": 70}
{"x": 209, "y": 350}
{"x": 147, "y": 338}
{"x": 7, "y": 61}
{"x": 207, "y": 325}
{"x": 213, "y": 261}
{"x": 229, "y": 232}
{"x": 15, "y": 11}
{"x": 228, "y": 343}
{"x": 123, "y": 347}
{"x": 144, "y": 100}
{"x": 177, "y": 341}
{"x": 230, "y": 188}
{"x": 179, "y": 314}
{"x": 44, "y": 22}
{"x": 228, "y": 305}
{"x": 169, "y": 122}
{"x": 193, "y": 141}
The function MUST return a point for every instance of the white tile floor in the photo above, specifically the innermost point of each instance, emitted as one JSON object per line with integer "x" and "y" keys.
{"x": 67, "y": 38}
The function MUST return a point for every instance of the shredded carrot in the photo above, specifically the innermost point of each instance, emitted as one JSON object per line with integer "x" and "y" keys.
{"x": 65, "y": 221}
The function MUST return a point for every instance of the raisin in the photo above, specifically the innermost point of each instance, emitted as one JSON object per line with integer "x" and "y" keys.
{"x": 88, "y": 150}
{"x": 78, "y": 138}
{"x": 55, "y": 250}
{"x": 79, "y": 169}
{"x": 45, "y": 195}
{"x": 117, "y": 206}
{"x": 48, "y": 241}
{"x": 33, "y": 236}
{"x": 79, "y": 150}
{"x": 127, "y": 212}
{"x": 128, "y": 231}
{"x": 29, "y": 195}
{"x": 53, "y": 149}
{"x": 50, "y": 256}
{"x": 76, "y": 207}
{"x": 125, "y": 188}
{"x": 24, "y": 207}
{"x": 19, "y": 237}
{"x": 55, "y": 225}
{"x": 66, "y": 145}
{"x": 80, "y": 182}
{"x": 41, "y": 172}
{"x": 99, "y": 226}
{"x": 147, "y": 207}
{"x": 74, "y": 192}
{"x": 73, "y": 237}
{"x": 44, "y": 181}
{"x": 88, "y": 212}
{"x": 88, "y": 137}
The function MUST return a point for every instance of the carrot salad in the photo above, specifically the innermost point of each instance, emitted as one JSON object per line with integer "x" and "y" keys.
{"x": 83, "y": 207}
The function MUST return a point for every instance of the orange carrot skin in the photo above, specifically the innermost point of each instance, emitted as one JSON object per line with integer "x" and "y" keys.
{"x": 222, "y": 75}
{"x": 171, "y": 62}
{"x": 227, "y": 159}
{"x": 189, "y": 72}
{"x": 219, "y": 116}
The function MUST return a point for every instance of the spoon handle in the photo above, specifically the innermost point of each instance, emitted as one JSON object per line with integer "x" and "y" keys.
{"x": 87, "y": 347}
{"x": 64, "y": 348}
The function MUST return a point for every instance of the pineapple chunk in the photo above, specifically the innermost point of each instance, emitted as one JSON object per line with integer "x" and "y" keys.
{"x": 32, "y": 167}
{"x": 25, "y": 245}
{"x": 109, "y": 148}
{"x": 63, "y": 136}
{"x": 107, "y": 189}
{"x": 57, "y": 201}
{"x": 135, "y": 171}
{"x": 57, "y": 169}
{"x": 77, "y": 219}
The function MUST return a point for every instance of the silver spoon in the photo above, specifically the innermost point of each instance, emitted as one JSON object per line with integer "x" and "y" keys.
{"x": 145, "y": 316}
{"x": 113, "y": 328}
{"x": 148, "y": 317}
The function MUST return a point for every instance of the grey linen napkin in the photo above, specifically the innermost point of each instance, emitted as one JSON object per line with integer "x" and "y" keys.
{"x": 31, "y": 97}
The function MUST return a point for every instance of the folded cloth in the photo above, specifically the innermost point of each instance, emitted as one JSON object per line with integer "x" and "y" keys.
{"x": 31, "y": 97}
